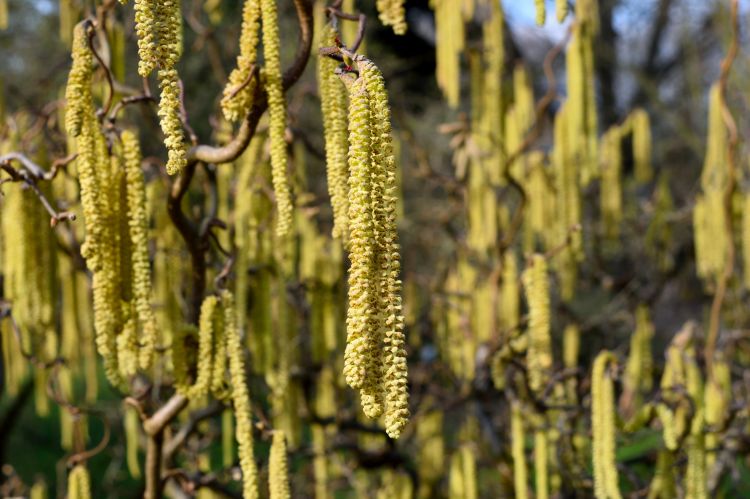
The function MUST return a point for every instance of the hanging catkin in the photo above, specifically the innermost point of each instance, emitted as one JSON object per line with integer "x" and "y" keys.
{"x": 539, "y": 352}
{"x": 131, "y": 425}
{"x": 641, "y": 129}
{"x": 240, "y": 399}
{"x": 603, "y": 427}
{"x": 392, "y": 13}
{"x": 79, "y": 483}
{"x": 561, "y": 10}
{"x": 637, "y": 376}
{"x": 449, "y": 26}
{"x": 278, "y": 476}
{"x": 611, "y": 186}
{"x": 138, "y": 231}
{"x": 277, "y": 113}
{"x": 520, "y": 473}
{"x": 333, "y": 106}
{"x": 238, "y": 93}
{"x": 388, "y": 251}
{"x": 204, "y": 356}
{"x": 541, "y": 12}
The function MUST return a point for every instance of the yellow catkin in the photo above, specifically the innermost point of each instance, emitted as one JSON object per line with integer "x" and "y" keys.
{"x": 78, "y": 89}
{"x": 571, "y": 349}
{"x": 238, "y": 93}
{"x": 539, "y": 352}
{"x": 663, "y": 485}
{"x": 637, "y": 377}
{"x": 138, "y": 224}
{"x": 168, "y": 27}
{"x": 449, "y": 25}
{"x": 541, "y": 12}
{"x": 561, "y": 10}
{"x": 717, "y": 397}
{"x": 145, "y": 12}
{"x": 392, "y": 13}
{"x": 361, "y": 318}
{"x": 94, "y": 168}
{"x": 333, "y": 106}
{"x": 131, "y": 425}
{"x": 240, "y": 399}
{"x": 603, "y": 428}
{"x": 709, "y": 214}
{"x": 541, "y": 462}
{"x": 278, "y": 475}
{"x": 79, "y": 483}
{"x": 695, "y": 475}
{"x": 611, "y": 186}
{"x": 509, "y": 313}
{"x": 227, "y": 440}
{"x": 388, "y": 251}
{"x": 641, "y": 128}
{"x": 205, "y": 354}
{"x": 745, "y": 239}
{"x": 38, "y": 490}
{"x": 277, "y": 113}
{"x": 488, "y": 108}
{"x": 520, "y": 473}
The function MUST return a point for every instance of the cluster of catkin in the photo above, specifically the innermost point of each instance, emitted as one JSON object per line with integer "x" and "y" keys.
{"x": 158, "y": 24}
{"x": 375, "y": 357}
{"x": 113, "y": 200}
{"x": 241, "y": 91}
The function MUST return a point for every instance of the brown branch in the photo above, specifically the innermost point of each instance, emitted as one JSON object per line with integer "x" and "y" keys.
{"x": 718, "y": 301}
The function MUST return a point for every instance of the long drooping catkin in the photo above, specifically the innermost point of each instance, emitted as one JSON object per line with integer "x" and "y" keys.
{"x": 611, "y": 185}
{"x": 449, "y": 25}
{"x": 138, "y": 230}
{"x": 539, "y": 352}
{"x": 333, "y": 106}
{"x": 205, "y": 354}
{"x": 278, "y": 475}
{"x": 520, "y": 473}
{"x": 387, "y": 251}
{"x": 277, "y": 113}
{"x": 238, "y": 93}
{"x": 79, "y": 483}
{"x": 145, "y": 20}
{"x": 240, "y": 399}
{"x": 603, "y": 428}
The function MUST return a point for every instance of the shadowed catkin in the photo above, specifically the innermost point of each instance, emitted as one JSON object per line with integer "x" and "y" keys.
{"x": 278, "y": 475}
{"x": 541, "y": 461}
{"x": 603, "y": 427}
{"x": 79, "y": 483}
{"x": 611, "y": 185}
{"x": 240, "y": 399}
{"x": 638, "y": 370}
{"x": 204, "y": 356}
{"x": 392, "y": 13}
{"x": 238, "y": 93}
{"x": 138, "y": 224}
{"x": 277, "y": 113}
{"x": 333, "y": 106}
{"x": 520, "y": 474}
{"x": 641, "y": 129}
{"x": 539, "y": 352}
{"x": 131, "y": 425}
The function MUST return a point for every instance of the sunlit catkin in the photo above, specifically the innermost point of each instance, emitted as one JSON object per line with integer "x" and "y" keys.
{"x": 637, "y": 376}
{"x": 449, "y": 25}
{"x": 168, "y": 27}
{"x": 205, "y": 355}
{"x": 603, "y": 427}
{"x": 392, "y": 13}
{"x": 145, "y": 12}
{"x": 561, "y": 10}
{"x": 277, "y": 113}
{"x": 278, "y": 475}
{"x": 333, "y": 107}
{"x": 240, "y": 399}
{"x": 387, "y": 251}
{"x": 361, "y": 315}
{"x": 539, "y": 352}
{"x": 238, "y": 93}
{"x": 541, "y": 12}
{"x": 78, "y": 90}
